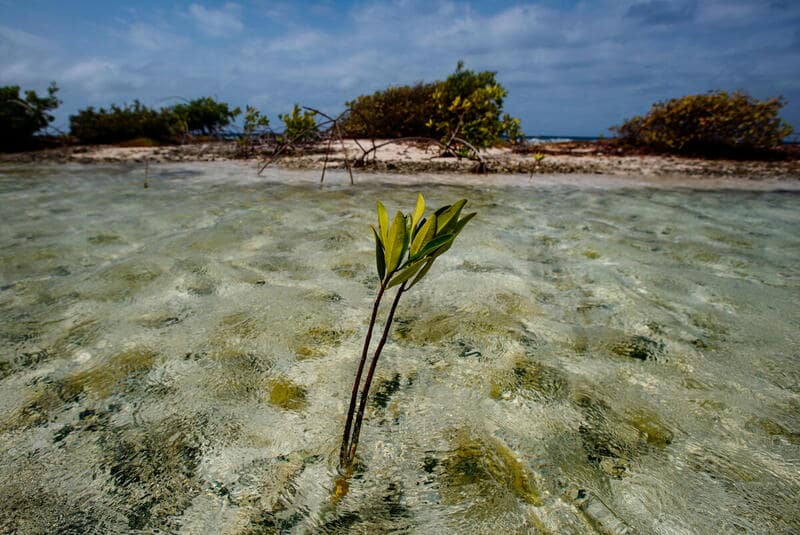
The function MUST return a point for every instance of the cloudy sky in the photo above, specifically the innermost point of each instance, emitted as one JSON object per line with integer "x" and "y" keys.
{"x": 571, "y": 68}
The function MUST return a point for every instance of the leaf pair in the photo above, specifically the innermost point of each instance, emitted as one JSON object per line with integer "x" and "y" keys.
{"x": 408, "y": 247}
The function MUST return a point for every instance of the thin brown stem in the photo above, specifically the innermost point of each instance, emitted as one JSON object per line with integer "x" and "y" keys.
{"x": 325, "y": 164}
{"x": 368, "y": 381}
{"x": 354, "y": 396}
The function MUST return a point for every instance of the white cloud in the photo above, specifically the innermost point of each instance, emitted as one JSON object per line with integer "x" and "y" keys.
{"x": 296, "y": 42}
{"x": 224, "y": 22}
{"x": 13, "y": 38}
{"x": 151, "y": 38}
{"x": 100, "y": 77}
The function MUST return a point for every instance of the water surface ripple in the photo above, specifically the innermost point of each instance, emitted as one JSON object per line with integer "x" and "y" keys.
{"x": 179, "y": 358}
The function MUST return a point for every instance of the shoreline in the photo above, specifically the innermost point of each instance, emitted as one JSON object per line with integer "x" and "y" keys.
{"x": 408, "y": 158}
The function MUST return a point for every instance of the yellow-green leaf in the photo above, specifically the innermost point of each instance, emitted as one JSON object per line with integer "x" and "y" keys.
{"x": 456, "y": 228}
{"x": 425, "y": 234}
{"x": 380, "y": 260}
{"x": 432, "y": 245}
{"x": 383, "y": 222}
{"x": 395, "y": 243}
{"x": 450, "y": 215}
{"x": 419, "y": 211}
{"x": 406, "y": 273}
{"x": 422, "y": 273}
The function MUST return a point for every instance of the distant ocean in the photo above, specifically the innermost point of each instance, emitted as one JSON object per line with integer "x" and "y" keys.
{"x": 559, "y": 139}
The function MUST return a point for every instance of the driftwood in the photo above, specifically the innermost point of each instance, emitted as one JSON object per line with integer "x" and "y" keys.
{"x": 332, "y": 131}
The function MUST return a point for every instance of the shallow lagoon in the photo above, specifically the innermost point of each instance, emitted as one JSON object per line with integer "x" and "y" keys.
{"x": 589, "y": 356}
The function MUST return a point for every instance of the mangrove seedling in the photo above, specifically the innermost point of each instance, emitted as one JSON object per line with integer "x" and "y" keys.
{"x": 405, "y": 250}
{"x": 537, "y": 158}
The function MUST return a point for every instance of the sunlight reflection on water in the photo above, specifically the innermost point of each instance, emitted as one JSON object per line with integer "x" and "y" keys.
{"x": 586, "y": 357}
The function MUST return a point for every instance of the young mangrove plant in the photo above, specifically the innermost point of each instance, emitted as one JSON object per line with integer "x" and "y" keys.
{"x": 405, "y": 250}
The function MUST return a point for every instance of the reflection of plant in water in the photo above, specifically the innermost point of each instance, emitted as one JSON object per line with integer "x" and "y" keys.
{"x": 404, "y": 252}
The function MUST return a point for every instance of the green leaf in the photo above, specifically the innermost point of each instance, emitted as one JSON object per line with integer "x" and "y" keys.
{"x": 407, "y": 241}
{"x": 419, "y": 211}
{"x": 425, "y": 234}
{"x": 422, "y": 273}
{"x": 406, "y": 273}
{"x": 450, "y": 215}
{"x": 395, "y": 243}
{"x": 383, "y": 222}
{"x": 459, "y": 226}
{"x": 380, "y": 260}
{"x": 432, "y": 245}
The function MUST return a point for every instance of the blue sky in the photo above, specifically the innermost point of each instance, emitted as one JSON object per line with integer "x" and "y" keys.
{"x": 571, "y": 68}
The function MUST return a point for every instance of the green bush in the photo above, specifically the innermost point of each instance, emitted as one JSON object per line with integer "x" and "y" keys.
{"x": 255, "y": 125}
{"x": 470, "y": 104}
{"x": 299, "y": 126}
{"x": 22, "y": 118}
{"x": 123, "y": 123}
{"x": 467, "y": 104}
{"x": 204, "y": 116}
{"x": 713, "y": 123}
{"x": 398, "y": 111}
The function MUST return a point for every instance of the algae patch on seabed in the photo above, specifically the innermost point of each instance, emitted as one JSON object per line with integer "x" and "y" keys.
{"x": 531, "y": 379}
{"x": 99, "y": 382}
{"x": 649, "y": 424}
{"x": 485, "y": 473}
{"x": 285, "y": 394}
{"x": 610, "y": 440}
{"x": 233, "y": 331}
{"x": 639, "y": 348}
{"x": 78, "y": 335}
{"x": 153, "y": 470}
{"x": 317, "y": 341}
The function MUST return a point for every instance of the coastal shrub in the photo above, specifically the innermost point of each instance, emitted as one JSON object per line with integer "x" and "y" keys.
{"x": 299, "y": 125}
{"x": 397, "y": 111}
{"x": 712, "y": 123}
{"x": 255, "y": 125}
{"x": 204, "y": 116}
{"x": 123, "y": 123}
{"x": 21, "y": 118}
{"x": 469, "y": 105}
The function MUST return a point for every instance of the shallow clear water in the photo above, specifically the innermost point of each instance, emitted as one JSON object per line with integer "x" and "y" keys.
{"x": 585, "y": 358}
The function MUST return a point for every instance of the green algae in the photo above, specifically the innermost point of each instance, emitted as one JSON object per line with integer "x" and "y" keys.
{"x": 649, "y": 424}
{"x": 120, "y": 281}
{"x": 349, "y": 270}
{"x": 287, "y": 395}
{"x": 772, "y": 429}
{"x": 104, "y": 239}
{"x": 101, "y": 380}
{"x": 317, "y": 341}
{"x": 228, "y": 340}
{"x": 638, "y": 347}
{"x": 78, "y": 335}
{"x": 516, "y": 305}
{"x": 385, "y": 390}
{"x": 98, "y": 382}
{"x": 157, "y": 320}
{"x": 484, "y": 471}
{"x": 439, "y": 327}
{"x": 45, "y": 400}
{"x": 153, "y": 470}
{"x": 531, "y": 379}
{"x": 239, "y": 324}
